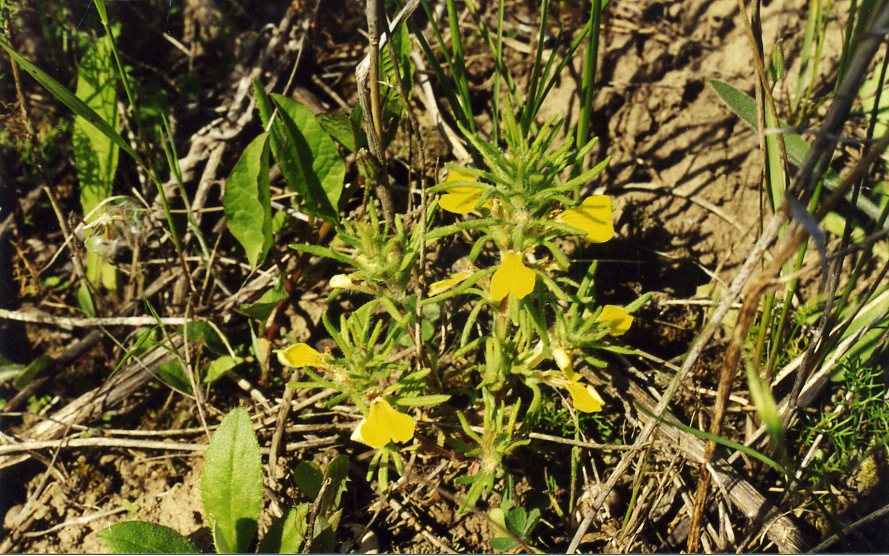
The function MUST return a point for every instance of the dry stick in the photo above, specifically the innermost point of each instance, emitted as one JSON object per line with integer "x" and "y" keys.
{"x": 365, "y": 67}
{"x": 370, "y": 111}
{"x": 873, "y": 516}
{"x": 421, "y": 151}
{"x": 88, "y": 322}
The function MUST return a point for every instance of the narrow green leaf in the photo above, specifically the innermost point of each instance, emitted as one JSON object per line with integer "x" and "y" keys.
{"x": 95, "y": 154}
{"x": 423, "y": 401}
{"x": 142, "y": 537}
{"x": 308, "y": 158}
{"x": 766, "y": 407}
{"x": 248, "y": 203}
{"x": 33, "y": 369}
{"x": 319, "y": 251}
{"x": 70, "y": 100}
{"x": 85, "y": 300}
{"x": 231, "y": 483}
{"x": 759, "y": 456}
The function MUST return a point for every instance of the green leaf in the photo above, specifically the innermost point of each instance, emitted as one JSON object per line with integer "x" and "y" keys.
{"x": 516, "y": 520}
{"x": 95, "y": 154}
{"x": 220, "y": 366}
{"x": 319, "y": 251}
{"x": 308, "y": 477}
{"x": 231, "y": 483}
{"x": 10, "y": 371}
{"x": 174, "y": 375}
{"x": 247, "y": 201}
{"x": 338, "y": 473}
{"x": 262, "y": 308}
{"x": 339, "y": 127}
{"x": 502, "y": 544}
{"x": 308, "y": 158}
{"x": 766, "y": 407}
{"x": 34, "y": 368}
{"x": 200, "y": 331}
{"x": 85, "y": 300}
{"x": 286, "y": 533}
{"x": 422, "y": 401}
{"x": 69, "y": 99}
{"x": 142, "y": 537}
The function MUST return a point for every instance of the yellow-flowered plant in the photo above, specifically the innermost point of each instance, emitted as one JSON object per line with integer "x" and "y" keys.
{"x": 526, "y": 323}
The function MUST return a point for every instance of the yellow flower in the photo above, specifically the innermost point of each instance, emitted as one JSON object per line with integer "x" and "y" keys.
{"x": 563, "y": 361}
{"x": 585, "y": 397}
{"x": 460, "y": 200}
{"x": 384, "y": 424}
{"x": 592, "y": 216}
{"x": 513, "y": 277}
{"x": 444, "y": 285}
{"x": 618, "y": 317}
{"x": 300, "y": 355}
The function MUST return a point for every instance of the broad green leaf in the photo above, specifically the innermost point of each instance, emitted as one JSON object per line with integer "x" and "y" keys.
{"x": 263, "y": 105}
{"x": 200, "y": 331}
{"x": 220, "y": 366}
{"x": 340, "y": 128}
{"x": 174, "y": 375}
{"x": 286, "y": 534}
{"x": 338, "y": 473}
{"x": 313, "y": 165}
{"x": 231, "y": 483}
{"x": 502, "y": 544}
{"x": 142, "y": 537}
{"x": 95, "y": 154}
{"x": 308, "y": 477}
{"x": 70, "y": 100}
{"x": 248, "y": 203}
{"x": 262, "y": 308}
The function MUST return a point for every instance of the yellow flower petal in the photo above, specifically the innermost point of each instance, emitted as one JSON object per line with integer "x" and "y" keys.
{"x": 585, "y": 397}
{"x": 618, "y": 317}
{"x": 513, "y": 277}
{"x": 592, "y": 216}
{"x": 460, "y": 200}
{"x": 563, "y": 361}
{"x": 384, "y": 424}
{"x": 300, "y": 355}
{"x": 444, "y": 285}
